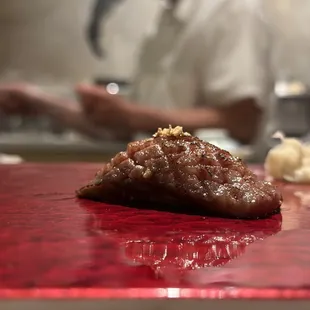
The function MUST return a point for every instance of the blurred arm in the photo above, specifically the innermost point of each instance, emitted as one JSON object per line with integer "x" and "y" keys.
{"x": 239, "y": 118}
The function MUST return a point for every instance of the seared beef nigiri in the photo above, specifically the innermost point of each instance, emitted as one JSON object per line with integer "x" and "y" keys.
{"x": 181, "y": 171}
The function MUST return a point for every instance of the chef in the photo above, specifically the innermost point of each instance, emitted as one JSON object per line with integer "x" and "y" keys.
{"x": 201, "y": 66}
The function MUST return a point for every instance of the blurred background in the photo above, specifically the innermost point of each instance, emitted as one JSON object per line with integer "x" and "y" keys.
{"x": 56, "y": 44}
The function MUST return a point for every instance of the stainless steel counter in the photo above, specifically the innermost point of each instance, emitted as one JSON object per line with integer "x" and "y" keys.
{"x": 49, "y": 147}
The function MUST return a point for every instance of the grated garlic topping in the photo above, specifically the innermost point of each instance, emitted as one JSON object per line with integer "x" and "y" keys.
{"x": 171, "y": 132}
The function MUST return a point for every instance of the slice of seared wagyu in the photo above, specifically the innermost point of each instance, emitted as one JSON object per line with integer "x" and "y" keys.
{"x": 176, "y": 170}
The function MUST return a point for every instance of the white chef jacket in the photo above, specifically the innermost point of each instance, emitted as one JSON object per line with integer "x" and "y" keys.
{"x": 204, "y": 52}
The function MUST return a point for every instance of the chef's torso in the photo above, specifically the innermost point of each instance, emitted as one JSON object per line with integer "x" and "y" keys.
{"x": 167, "y": 71}
{"x": 206, "y": 52}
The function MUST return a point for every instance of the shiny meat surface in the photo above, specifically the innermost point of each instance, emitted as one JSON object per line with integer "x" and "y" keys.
{"x": 183, "y": 173}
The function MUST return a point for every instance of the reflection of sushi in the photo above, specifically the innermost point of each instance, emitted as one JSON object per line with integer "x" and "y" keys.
{"x": 209, "y": 253}
{"x": 193, "y": 251}
{"x": 178, "y": 170}
{"x": 166, "y": 241}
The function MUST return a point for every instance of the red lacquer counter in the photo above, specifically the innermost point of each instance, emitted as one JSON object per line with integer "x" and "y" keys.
{"x": 53, "y": 246}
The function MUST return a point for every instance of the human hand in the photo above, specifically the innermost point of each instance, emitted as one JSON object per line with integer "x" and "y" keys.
{"x": 104, "y": 109}
{"x": 19, "y": 98}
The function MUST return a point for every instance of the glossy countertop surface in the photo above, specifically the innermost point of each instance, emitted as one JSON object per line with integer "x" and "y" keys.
{"x": 53, "y": 245}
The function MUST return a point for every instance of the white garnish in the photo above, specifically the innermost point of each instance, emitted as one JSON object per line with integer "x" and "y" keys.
{"x": 289, "y": 161}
